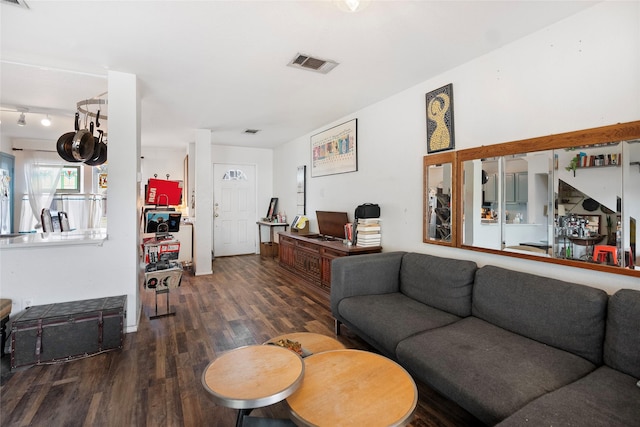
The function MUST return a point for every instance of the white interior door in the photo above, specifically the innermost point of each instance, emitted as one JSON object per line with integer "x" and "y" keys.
{"x": 234, "y": 209}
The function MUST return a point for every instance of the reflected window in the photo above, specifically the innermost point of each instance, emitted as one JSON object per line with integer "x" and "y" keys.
{"x": 234, "y": 175}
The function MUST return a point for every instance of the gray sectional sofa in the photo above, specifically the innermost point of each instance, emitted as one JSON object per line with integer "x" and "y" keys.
{"x": 511, "y": 348}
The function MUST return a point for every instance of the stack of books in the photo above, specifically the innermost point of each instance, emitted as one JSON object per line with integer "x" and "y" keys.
{"x": 368, "y": 232}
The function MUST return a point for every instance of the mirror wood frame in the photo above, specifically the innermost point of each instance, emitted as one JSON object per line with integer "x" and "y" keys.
{"x": 436, "y": 160}
{"x": 612, "y": 133}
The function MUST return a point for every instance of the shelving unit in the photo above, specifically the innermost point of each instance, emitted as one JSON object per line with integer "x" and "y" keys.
{"x": 597, "y": 161}
{"x": 162, "y": 270}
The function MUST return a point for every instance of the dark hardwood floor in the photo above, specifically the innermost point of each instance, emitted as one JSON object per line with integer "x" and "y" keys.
{"x": 155, "y": 380}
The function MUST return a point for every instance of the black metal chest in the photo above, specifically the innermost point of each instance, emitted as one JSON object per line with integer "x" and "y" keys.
{"x": 66, "y": 331}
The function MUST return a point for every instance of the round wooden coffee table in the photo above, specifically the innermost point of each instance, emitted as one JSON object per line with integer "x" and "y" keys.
{"x": 253, "y": 376}
{"x": 353, "y": 387}
{"x": 311, "y": 342}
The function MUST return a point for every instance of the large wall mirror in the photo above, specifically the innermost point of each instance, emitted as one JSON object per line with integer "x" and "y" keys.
{"x": 570, "y": 198}
{"x": 439, "y": 194}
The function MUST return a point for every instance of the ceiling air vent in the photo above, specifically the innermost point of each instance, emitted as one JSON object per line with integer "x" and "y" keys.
{"x": 252, "y": 131}
{"x": 20, "y": 3}
{"x": 313, "y": 64}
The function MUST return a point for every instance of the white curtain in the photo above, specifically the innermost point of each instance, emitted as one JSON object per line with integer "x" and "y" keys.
{"x": 40, "y": 188}
{"x": 84, "y": 210}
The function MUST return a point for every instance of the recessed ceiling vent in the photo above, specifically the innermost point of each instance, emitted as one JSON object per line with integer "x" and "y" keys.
{"x": 313, "y": 64}
{"x": 20, "y": 3}
{"x": 252, "y": 131}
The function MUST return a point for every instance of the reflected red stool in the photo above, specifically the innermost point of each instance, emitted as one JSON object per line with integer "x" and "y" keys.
{"x": 601, "y": 253}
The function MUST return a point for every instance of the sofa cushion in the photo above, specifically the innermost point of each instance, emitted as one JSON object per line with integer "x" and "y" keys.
{"x": 603, "y": 398}
{"x": 487, "y": 370}
{"x": 565, "y": 315}
{"x": 389, "y": 318}
{"x": 622, "y": 340}
{"x": 443, "y": 283}
{"x": 364, "y": 275}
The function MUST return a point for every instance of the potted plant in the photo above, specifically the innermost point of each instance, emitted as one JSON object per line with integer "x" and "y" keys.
{"x": 573, "y": 165}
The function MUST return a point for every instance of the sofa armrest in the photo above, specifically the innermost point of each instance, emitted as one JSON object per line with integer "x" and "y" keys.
{"x": 364, "y": 275}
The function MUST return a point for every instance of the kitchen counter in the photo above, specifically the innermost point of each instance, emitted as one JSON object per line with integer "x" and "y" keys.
{"x": 66, "y": 238}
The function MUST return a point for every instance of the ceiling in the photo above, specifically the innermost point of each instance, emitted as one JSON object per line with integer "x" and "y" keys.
{"x": 222, "y": 65}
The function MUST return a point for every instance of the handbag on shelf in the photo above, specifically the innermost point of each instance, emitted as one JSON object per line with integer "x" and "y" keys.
{"x": 367, "y": 210}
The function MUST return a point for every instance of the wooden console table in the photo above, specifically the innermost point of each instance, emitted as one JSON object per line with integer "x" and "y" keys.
{"x": 309, "y": 256}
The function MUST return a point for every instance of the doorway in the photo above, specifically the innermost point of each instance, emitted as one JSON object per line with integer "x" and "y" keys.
{"x": 234, "y": 209}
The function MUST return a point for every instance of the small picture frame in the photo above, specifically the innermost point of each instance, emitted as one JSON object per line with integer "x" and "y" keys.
{"x": 102, "y": 180}
{"x": 440, "y": 131}
{"x": 273, "y": 206}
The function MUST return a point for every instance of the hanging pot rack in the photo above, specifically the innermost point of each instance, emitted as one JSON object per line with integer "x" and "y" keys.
{"x": 83, "y": 108}
{"x": 96, "y": 100}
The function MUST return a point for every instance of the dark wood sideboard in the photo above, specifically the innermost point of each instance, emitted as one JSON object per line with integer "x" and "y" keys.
{"x": 309, "y": 256}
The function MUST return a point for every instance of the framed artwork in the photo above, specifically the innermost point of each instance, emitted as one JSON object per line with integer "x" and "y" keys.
{"x": 301, "y": 202}
{"x": 335, "y": 150}
{"x": 440, "y": 135}
{"x": 273, "y": 205}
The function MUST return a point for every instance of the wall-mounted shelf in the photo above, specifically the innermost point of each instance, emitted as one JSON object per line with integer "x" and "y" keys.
{"x": 597, "y": 166}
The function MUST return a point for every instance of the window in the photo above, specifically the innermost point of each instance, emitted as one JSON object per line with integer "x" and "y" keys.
{"x": 69, "y": 178}
{"x": 234, "y": 175}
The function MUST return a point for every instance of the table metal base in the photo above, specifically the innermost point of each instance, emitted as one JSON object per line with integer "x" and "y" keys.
{"x": 244, "y": 420}
{"x": 168, "y": 313}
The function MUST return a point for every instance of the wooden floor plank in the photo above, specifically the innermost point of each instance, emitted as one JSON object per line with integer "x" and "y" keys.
{"x": 155, "y": 380}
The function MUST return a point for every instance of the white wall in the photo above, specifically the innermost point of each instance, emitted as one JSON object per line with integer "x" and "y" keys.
{"x": 69, "y": 273}
{"x": 161, "y": 161}
{"x": 576, "y": 74}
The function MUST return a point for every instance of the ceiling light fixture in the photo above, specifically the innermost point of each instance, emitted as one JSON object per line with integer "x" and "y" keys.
{"x": 19, "y": 3}
{"x": 22, "y": 121}
{"x": 46, "y": 121}
{"x": 351, "y": 5}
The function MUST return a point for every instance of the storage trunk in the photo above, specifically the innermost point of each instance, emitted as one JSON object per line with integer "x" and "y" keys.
{"x": 68, "y": 330}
